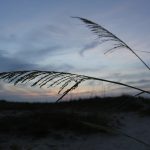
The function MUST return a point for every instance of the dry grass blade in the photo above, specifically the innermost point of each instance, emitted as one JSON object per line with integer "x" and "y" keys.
{"x": 138, "y": 94}
{"x": 105, "y": 36}
{"x": 66, "y": 81}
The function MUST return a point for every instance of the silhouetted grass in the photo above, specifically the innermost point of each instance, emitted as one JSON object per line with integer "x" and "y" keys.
{"x": 66, "y": 81}
{"x": 106, "y": 36}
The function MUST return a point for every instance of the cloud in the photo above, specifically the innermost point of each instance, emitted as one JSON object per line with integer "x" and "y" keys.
{"x": 12, "y": 63}
{"x": 42, "y": 43}
{"x": 140, "y": 82}
{"x": 65, "y": 68}
{"x": 89, "y": 46}
{"x": 55, "y": 30}
{"x": 47, "y": 33}
{"x": 16, "y": 62}
{"x": 30, "y": 48}
{"x": 1, "y": 87}
{"x": 8, "y": 37}
{"x": 36, "y": 54}
{"x": 62, "y": 67}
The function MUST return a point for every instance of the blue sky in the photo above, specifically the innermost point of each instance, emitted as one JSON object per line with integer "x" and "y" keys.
{"x": 40, "y": 34}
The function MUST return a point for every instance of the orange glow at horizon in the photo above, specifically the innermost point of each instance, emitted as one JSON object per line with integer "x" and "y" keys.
{"x": 82, "y": 90}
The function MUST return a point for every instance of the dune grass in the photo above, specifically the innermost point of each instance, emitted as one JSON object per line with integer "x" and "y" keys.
{"x": 70, "y": 81}
{"x": 66, "y": 81}
{"x": 106, "y": 36}
{"x": 86, "y": 117}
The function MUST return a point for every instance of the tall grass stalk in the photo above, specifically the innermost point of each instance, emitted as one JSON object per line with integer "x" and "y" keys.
{"x": 106, "y": 36}
{"x": 66, "y": 81}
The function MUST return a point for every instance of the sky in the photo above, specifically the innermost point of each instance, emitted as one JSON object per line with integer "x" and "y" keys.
{"x": 41, "y": 34}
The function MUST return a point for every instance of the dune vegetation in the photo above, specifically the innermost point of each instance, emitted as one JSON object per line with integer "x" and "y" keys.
{"x": 84, "y": 116}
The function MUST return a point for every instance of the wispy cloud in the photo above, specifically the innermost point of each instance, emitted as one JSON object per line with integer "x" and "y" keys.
{"x": 50, "y": 40}
{"x": 61, "y": 67}
{"x": 1, "y": 87}
{"x": 12, "y": 63}
{"x": 37, "y": 54}
{"x": 89, "y": 46}
{"x": 140, "y": 82}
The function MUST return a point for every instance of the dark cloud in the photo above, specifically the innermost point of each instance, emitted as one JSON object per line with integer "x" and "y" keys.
{"x": 61, "y": 67}
{"x": 45, "y": 33}
{"x": 65, "y": 68}
{"x": 8, "y": 38}
{"x": 141, "y": 82}
{"x": 89, "y": 46}
{"x": 42, "y": 42}
{"x": 9, "y": 63}
{"x": 3, "y": 52}
{"x": 37, "y": 54}
{"x": 1, "y": 87}
{"x": 13, "y": 63}
{"x": 55, "y": 29}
